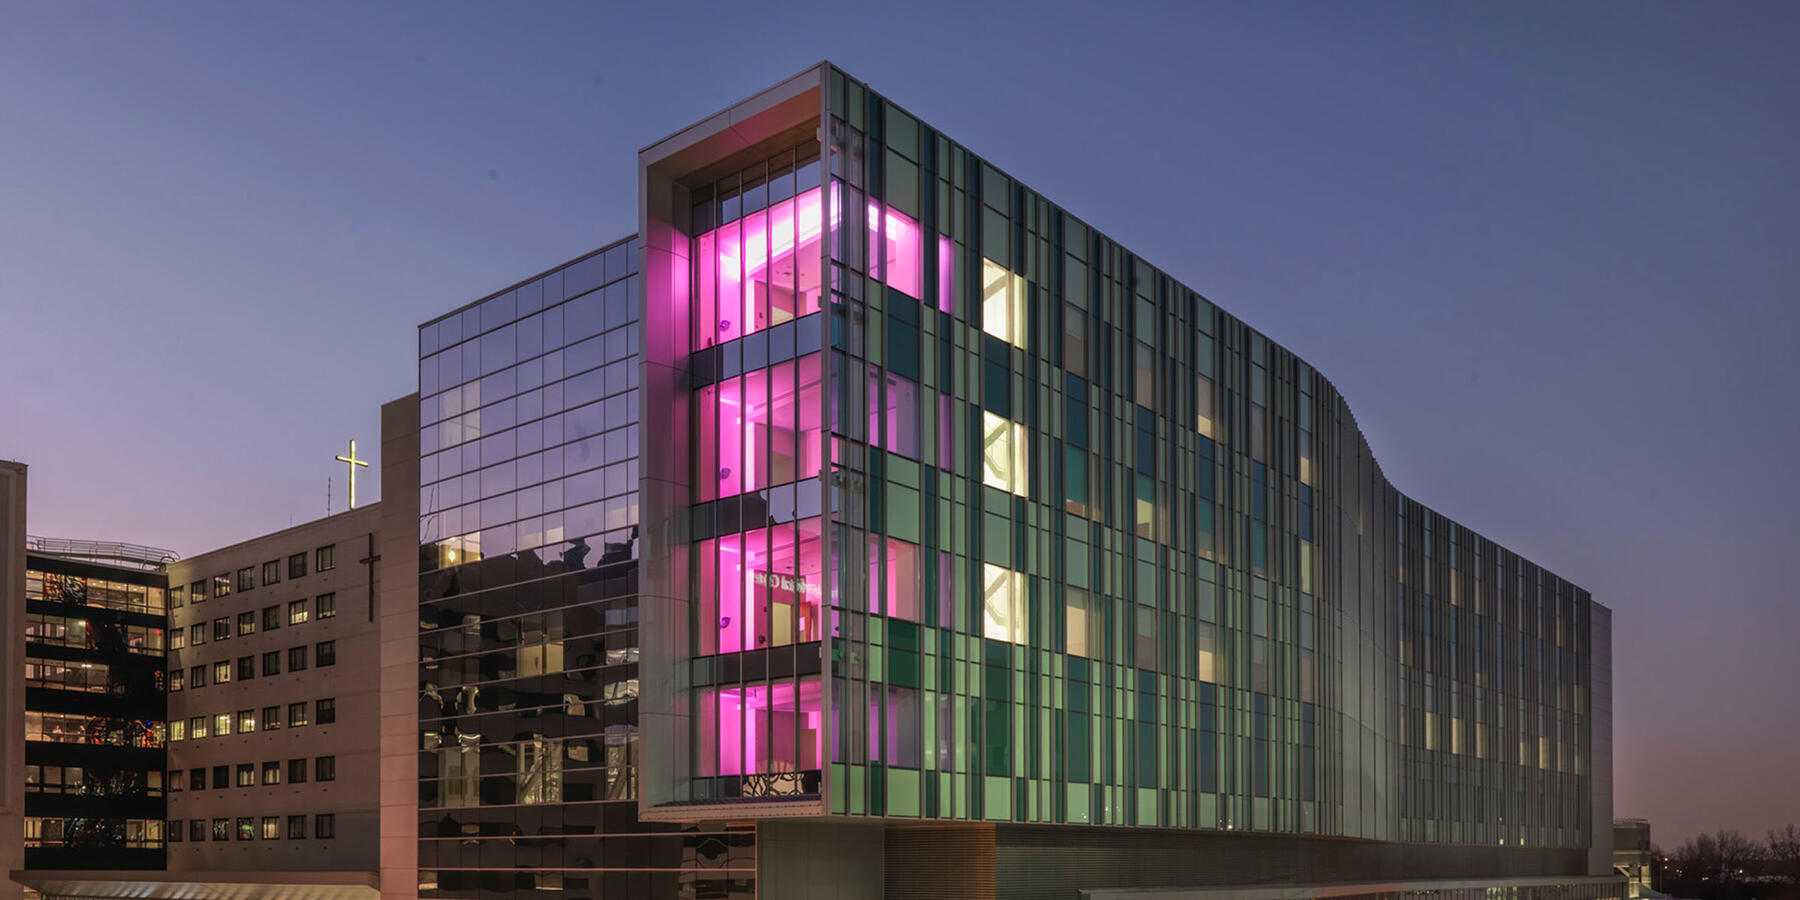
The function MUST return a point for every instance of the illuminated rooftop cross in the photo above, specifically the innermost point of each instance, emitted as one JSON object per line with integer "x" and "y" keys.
{"x": 352, "y": 462}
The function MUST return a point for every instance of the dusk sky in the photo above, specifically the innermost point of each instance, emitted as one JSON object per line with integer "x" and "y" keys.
{"x": 1549, "y": 253}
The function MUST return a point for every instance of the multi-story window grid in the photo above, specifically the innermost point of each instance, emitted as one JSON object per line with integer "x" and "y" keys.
{"x": 1013, "y": 408}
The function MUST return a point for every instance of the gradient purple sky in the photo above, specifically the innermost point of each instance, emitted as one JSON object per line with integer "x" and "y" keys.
{"x": 1548, "y": 251}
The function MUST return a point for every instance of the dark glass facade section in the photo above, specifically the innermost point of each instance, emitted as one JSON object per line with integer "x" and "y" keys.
{"x": 95, "y": 715}
{"x": 528, "y": 608}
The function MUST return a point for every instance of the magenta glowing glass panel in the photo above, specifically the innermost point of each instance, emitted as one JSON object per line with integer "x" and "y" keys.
{"x": 760, "y": 589}
{"x": 895, "y": 250}
{"x": 897, "y": 580}
{"x": 946, "y": 265}
{"x": 759, "y": 271}
{"x": 759, "y": 429}
{"x": 760, "y": 728}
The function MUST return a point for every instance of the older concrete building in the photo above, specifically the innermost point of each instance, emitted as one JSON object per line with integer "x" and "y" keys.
{"x": 272, "y": 702}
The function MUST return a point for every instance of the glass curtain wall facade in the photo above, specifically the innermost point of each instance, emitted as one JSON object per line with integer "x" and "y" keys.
{"x": 95, "y": 719}
{"x": 962, "y": 512}
{"x": 529, "y": 564}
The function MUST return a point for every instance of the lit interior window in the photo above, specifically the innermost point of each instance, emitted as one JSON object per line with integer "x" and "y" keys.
{"x": 761, "y": 589}
{"x": 1004, "y": 596}
{"x": 1002, "y": 303}
{"x": 1003, "y": 454}
{"x": 761, "y": 270}
{"x": 760, "y": 728}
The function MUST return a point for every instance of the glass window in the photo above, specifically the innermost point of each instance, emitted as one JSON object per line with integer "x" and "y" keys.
{"x": 271, "y": 572}
{"x": 246, "y": 579}
{"x": 1079, "y": 620}
{"x": 894, "y": 726}
{"x": 760, "y": 429}
{"x": 1003, "y": 303}
{"x": 761, "y": 588}
{"x": 246, "y": 721}
{"x": 894, "y": 574}
{"x": 271, "y": 828}
{"x": 760, "y": 270}
{"x": 1004, "y": 604}
{"x": 1003, "y": 456}
{"x": 221, "y": 829}
{"x": 1203, "y": 401}
{"x": 246, "y": 668}
{"x": 296, "y": 828}
{"x": 296, "y": 714}
{"x": 1075, "y": 480}
{"x": 760, "y": 728}
{"x": 271, "y": 618}
{"x": 196, "y": 634}
{"x": 297, "y": 612}
{"x": 296, "y": 771}
{"x": 325, "y": 654}
{"x": 896, "y": 250}
{"x": 271, "y": 718}
{"x": 1144, "y": 375}
{"x": 197, "y": 727}
{"x": 221, "y": 629}
{"x": 297, "y": 565}
{"x": 221, "y": 724}
{"x": 246, "y": 777}
{"x": 325, "y": 768}
{"x": 1144, "y": 649}
{"x": 197, "y": 779}
{"x": 325, "y": 606}
{"x": 325, "y": 711}
{"x": 271, "y": 773}
{"x": 324, "y": 558}
{"x": 893, "y": 413}
{"x": 1075, "y": 339}
{"x": 197, "y": 677}
{"x": 246, "y": 623}
{"x": 177, "y": 679}
{"x": 221, "y": 672}
{"x": 271, "y": 663}
{"x": 1208, "y": 643}
{"x": 325, "y": 826}
{"x": 297, "y": 659}
{"x": 177, "y": 596}
{"x": 221, "y": 776}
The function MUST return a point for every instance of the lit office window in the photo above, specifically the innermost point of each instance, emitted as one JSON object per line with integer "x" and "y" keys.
{"x": 1003, "y": 454}
{"x": 1003, "y": 595}
{"x": 1003, "y": 303}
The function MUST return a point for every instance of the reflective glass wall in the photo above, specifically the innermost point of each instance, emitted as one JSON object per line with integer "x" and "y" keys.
{"x": 528, "y": 609}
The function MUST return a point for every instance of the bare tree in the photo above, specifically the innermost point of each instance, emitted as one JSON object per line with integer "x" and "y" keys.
{"x": 1735, "y": 851}
{"x": 1784, "y": 850}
